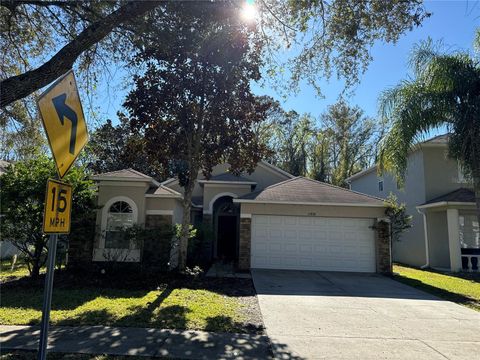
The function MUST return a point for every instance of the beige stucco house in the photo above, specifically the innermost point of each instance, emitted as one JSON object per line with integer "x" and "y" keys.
{"x": 445, "y": 230}
{"x": 266, "y": 219}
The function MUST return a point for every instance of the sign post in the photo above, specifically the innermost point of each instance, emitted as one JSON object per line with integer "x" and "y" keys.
{"x": 47, "y": 296}
{"x": 64, "y": 123}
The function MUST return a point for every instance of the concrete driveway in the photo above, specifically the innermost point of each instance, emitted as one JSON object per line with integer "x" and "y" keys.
{"x": 319, "y": 315}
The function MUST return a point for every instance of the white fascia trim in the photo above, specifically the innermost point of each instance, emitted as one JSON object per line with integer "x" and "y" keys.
{"x": 446, "y": 203}
{"x": 245, "y": 216}
{"x": 172, "y": 196}
{"x": 159, "y": 212}
{"x": 168, "y": 181}
{"x": 307, "y": 203}
{"x": 221, "y": 182}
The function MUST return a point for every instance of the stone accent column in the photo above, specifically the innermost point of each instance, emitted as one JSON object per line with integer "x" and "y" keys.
{"x": 245, "y": 243}
{"x": 383, "y": 247}
{"x": 454, "y": 240}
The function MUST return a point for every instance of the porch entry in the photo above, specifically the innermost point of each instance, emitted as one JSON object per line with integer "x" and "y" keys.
{"x": 226, "y": 217}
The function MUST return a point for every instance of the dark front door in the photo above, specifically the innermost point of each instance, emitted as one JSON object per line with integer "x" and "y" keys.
{"x": 227, "y": 237}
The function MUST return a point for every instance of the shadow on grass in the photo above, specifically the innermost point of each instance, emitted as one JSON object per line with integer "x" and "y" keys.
{"x": 442, "y": 293}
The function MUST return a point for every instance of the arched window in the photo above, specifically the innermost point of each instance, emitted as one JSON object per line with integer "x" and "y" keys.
{"x": 119, "y": 217}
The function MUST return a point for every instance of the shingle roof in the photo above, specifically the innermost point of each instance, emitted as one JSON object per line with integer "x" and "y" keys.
{"x": 163, "y": 191}
{"x": 303, "y": 190}
{"x": 439, "y": 139}
{"x": 125, "y": 173}
{"x": 459, "y": 195}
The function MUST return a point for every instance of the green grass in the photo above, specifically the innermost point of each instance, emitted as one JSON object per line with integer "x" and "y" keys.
{"x": 462, "y": 288}
{"x": 174, "y": 308}
{"x": 19, "y": 270}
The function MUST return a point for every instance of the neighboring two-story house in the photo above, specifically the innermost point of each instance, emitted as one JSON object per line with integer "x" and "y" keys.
{"x": 445, "y": 230}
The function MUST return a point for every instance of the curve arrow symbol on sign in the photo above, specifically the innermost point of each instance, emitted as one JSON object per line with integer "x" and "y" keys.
{"x": 64, "y": 111}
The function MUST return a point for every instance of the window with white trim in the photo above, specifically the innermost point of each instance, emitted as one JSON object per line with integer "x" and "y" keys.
{"x": 119, "y": 217}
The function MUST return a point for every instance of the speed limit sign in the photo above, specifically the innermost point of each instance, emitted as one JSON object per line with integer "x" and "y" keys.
{"x": 58, "y": 206}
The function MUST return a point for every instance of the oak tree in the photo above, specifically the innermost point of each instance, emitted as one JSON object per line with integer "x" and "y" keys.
{"x": 193, "y": 104}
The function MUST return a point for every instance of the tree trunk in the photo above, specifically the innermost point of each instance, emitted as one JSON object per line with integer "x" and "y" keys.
{"x": 36, "y": 259}
{"x": 185, "y": 230}
{"x": 20, "y": 86}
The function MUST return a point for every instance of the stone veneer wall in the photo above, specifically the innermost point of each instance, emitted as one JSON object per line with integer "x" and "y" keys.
{"x": 383, "y": 246}
{"x": 245, "y": 243}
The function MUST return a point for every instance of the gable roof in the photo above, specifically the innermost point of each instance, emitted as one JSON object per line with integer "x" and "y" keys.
{"x": 162, "y": 191}
{"x": 461, "y": 195}
{"x": 301, "y": 190}
{"x": 261, "y": 163}
{"x": 125, "y": 175}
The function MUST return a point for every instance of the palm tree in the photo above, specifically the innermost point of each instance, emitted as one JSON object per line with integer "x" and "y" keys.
{"x": 444, "y": 91}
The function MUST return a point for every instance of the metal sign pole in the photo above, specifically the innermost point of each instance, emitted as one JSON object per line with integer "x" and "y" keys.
{"x": 47, "y": 297}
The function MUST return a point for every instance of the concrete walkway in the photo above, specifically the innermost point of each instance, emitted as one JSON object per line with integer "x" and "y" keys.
{"x": 139, "y": 341}
{"x": 321, "y": 315}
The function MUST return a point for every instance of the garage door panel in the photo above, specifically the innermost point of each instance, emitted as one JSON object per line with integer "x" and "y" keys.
{"x": 312, "y": 243}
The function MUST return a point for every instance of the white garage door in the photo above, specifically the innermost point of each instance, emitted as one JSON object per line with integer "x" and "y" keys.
{"x": 312, "y": 243}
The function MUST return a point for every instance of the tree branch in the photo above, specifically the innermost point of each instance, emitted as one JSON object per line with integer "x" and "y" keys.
{"x": 17, "y": 87}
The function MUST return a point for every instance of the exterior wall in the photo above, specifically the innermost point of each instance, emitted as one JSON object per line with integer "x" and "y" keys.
{"x": 265, "y": 177}
{"x": 210, "y": 191}
{"x": 160, "y": 203}
{"x": 411, "y": 247}
{"x": 312, "y": 210}
{"x": 262, "y": 175}
{"x": 135, "y": 191}
{"x": 441, "y": 173}
{"x": 437, "y": 228}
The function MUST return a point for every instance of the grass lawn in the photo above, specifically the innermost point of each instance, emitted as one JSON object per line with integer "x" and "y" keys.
{"x": 204, "y": 304}
{"x": 462, "y": 288}
{"x": 19, "y": 270}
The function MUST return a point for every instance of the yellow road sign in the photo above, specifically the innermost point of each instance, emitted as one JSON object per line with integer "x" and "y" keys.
{"x": 58, "y": 206}
{"x": 63, "y": 120}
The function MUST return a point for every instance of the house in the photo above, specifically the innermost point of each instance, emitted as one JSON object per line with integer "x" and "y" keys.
{"x": 266, "y": 219}
{"x": 445, "y": 230}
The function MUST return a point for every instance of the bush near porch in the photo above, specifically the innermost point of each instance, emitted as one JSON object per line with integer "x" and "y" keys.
{"x": 462, "y": 288}
{"x": 149, "y": 300}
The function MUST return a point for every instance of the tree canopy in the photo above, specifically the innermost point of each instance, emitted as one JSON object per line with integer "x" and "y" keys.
{"x": 324, "y": 36}
{"x": 445, "y": 91}
{"x": 193, "y": 105}
{"x": 22, "y": 190}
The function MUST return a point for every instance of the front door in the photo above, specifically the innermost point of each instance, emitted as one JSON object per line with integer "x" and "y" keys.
{"x": 227, "y": 237}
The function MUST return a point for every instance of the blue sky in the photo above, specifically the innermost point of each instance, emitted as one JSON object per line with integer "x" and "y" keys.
{"x": 454, "y": 22}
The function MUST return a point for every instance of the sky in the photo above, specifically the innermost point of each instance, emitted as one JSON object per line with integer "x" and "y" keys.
{"x": 453, "y": 22}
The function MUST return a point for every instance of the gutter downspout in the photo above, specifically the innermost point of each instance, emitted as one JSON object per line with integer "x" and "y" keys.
{"x": 427, "y": 257}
